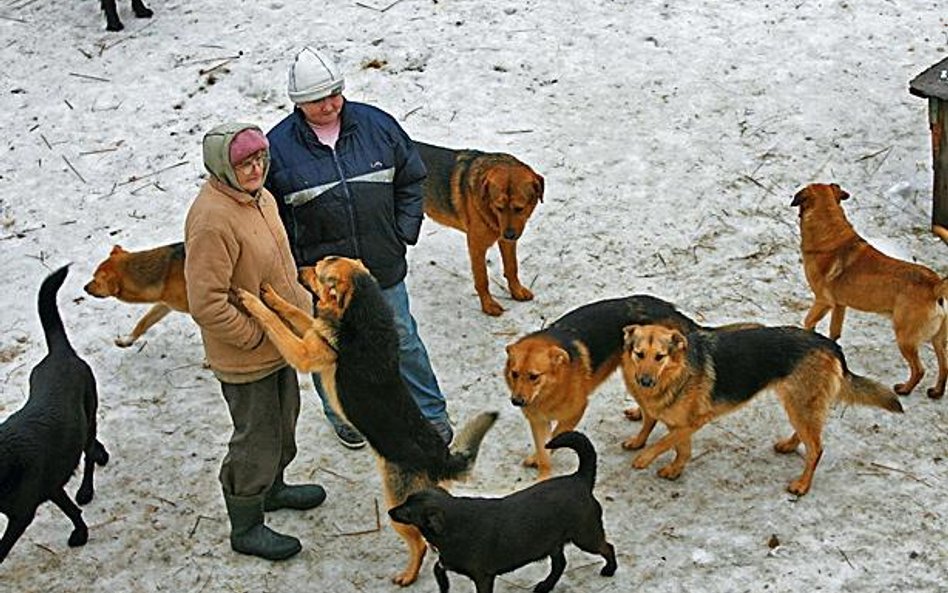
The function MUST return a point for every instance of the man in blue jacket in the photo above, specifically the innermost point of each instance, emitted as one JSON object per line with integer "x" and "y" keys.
{"x": 348, "y": 181}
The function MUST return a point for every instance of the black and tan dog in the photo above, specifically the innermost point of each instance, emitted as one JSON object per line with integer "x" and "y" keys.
{"x": 352, "y": 342}
{"x": 484, "y": 537}
{"x": 552, "y": 372}
{"x": 150, "y": 276}
{"x": 843, "y": 270}
{"x": 686, "y": 380}
{"x": 489, "y": 196}
{"x": 112, "y": 20}
{"x": 42, "y": 442}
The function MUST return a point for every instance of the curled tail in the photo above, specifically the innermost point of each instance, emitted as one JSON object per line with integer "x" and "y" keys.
{"x": 466, "y": 445}
{"x": 866, "y": 392}
{"x": 578, "y": 442}
{"x": 49, "y": 312}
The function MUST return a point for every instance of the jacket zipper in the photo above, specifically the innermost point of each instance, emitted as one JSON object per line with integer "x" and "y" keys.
{"x": 349, "y": 203}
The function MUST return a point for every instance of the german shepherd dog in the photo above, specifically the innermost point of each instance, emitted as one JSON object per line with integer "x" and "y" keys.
{"x": 489, "y": 196}
{"x": 42, "y": 442}
{"x": 112, "y": 20}
{"x": 552, "y": 372}
{"x": 843, "y": 270}
{"x": 151, "y": 276}
{"x": 484, "y": 537}
{"x": 688, "y": 379}
{"x": 352, "y": 342}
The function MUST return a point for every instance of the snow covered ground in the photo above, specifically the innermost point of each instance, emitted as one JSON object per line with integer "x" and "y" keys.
{"x": 672, "y": 136}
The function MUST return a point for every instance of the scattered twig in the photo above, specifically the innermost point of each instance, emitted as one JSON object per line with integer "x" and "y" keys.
{"x": 89, "y": 76}
{"x": 378, "y": 525}
{"x": 135, "y": 178}
{"x": 98, "y": 151}
{"x": 12, "y": 18}
{"x": 73, "y": 169}
{"x": 46, "y": 142}
{"x": 412, "y": 112}
{"x": 900, "y": 471}
{"x": 196, "y": 523}
{"x": 166, "y": 501}
{"x": 47, "y": 548}
{"x": 515, "y": 131}
{"x": 337, "y": 474}
{"x": 873, "y": 154}
{"x": 846, "y": 558}
{"x": 376, "y": 8}
{"x": 204, "y": 71}
{"x": 69, "y": 105}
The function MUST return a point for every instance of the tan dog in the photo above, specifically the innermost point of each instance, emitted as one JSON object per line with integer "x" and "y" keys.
{"x": 686, "y": 380}
{"x": 489, "y": 197}
{"x": 152, "y": 276}
{"x": 843, "y": 270}
{"x": 353, "y": 344}
{"x": 552, "y": 372}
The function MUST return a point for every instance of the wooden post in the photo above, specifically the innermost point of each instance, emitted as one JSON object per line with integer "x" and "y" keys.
{"x": 932, "y": 84}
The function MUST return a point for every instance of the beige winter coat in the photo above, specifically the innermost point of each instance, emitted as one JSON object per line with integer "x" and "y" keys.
{"x": 235, "y": 239}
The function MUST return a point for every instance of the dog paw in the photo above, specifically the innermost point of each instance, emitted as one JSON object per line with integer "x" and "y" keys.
{"x": 633, "y": 443}
{"x": 543, "y": 587}
{"x": 530, "y": 461}
{"x": 670, "y": 472}
{"x": 491, "y": 307}
{"x": 79, "y": 537}
{"x": 642, "y": 461}
{"x": 521, "y": 293}
{"x": 633, "y": 414}
{"x": 403, "y": 579}
{"x": 799, "y": 487}
{"x": 903, "y": 388}
{"x": 124, "y": 341}
{"x": 935, "y": 393}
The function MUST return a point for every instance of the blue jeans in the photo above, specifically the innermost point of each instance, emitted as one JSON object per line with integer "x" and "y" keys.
{"x": 413, "y": 362}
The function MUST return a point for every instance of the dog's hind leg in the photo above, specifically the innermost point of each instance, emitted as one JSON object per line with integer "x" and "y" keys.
{"x": 484, "y": 584}
{"x": 441, "y": 576}
{"x": 557, "y": 566}
{"x": 416, "y": 553}
{"x": 909, "y": 350}
{"x": 141, "y": 11}
{"x": 806, "y": 396}
{"x": 80, "y": 533}
{"x": 595, "y": 543}
{"x": 16, "y": 525}
{"x": 940, "y": 344}
{"x": 153, "y": 316}
{"x": 94, "y": 455}
{"x": 112, "y": 21}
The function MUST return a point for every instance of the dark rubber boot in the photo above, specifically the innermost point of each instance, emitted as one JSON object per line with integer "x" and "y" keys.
{"x": 298, "y": 497}
{"x": 248, "y": 534}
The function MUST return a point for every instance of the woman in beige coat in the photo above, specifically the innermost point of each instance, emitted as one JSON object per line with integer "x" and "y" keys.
{"x": 234, "y": 239}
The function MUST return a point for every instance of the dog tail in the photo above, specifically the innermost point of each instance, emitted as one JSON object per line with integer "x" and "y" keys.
{"x": 578, "y": 442}
{"x": 866, "y": 392}
{"x": 49, "y": 312}
{"x": 467, "y": 443}
{"x": 941, "y": 292}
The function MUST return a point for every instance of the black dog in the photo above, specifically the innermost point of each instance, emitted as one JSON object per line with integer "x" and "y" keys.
{"x": 113, "y": 23}
{"x": 41, "y": 443}
{"x": 484, "y": 537}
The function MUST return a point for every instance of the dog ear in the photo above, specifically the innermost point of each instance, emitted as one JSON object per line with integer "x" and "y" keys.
{"x": 558, "y": 356}
{"x": 116, "y": 249}
{"x": 433, "y": 520}
{"x": 800, "y": 198}
{"x": 538, "y": 184}
{"x": 841, "y": 194}
{"x": 628, "y": 333}
{"x": 679, "y": 342}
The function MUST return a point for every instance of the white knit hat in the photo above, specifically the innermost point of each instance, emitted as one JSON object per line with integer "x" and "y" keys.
{"x": 313, "y": 76}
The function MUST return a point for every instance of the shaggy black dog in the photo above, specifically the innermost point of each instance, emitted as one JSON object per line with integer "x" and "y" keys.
{"x": 484, "y": 537}
{"x": 40, "y": 444}
{"x": 113, "y": 23}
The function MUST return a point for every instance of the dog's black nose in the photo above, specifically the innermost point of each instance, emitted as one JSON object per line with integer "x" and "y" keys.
{"x": 646, "y": 381}
{"x": 510, "y": 234}
{"x": 518, "y": 401}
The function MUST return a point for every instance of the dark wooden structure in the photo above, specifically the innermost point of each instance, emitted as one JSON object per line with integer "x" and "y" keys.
{"x": 932, "y": 84}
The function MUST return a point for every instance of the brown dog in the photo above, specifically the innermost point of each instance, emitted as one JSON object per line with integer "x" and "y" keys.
{"x": 843, "y": 270}
{"x": 489, "y": 197}
{"x": 688, "y": 379}
{"x": 552, "y": 372}
{"x": 152, "y": 276}
{"x": 353, "y": 344}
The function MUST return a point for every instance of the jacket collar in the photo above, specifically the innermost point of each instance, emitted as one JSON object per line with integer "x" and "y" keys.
{"x": 308, "y": 136}
{"x": 241, "y": 197}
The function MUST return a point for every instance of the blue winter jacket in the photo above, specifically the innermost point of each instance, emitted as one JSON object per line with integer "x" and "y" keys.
{"x": 361, "y": 200}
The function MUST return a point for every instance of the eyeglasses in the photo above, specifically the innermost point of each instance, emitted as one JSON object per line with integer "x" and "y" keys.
{"x": 247, "y": 165}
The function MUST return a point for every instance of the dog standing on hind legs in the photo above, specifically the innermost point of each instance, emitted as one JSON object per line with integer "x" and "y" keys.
{"x": 42, "y": 442}
{"x": 353, "y": 344}
{"x": 843, "y": 270}
{"x": 688, "y": 380}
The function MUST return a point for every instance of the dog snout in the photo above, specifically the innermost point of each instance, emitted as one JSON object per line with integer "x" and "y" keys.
{"x": 510, "y": 234}
{"x": 518, "y": 401}
{"x": 646, "y": 381}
